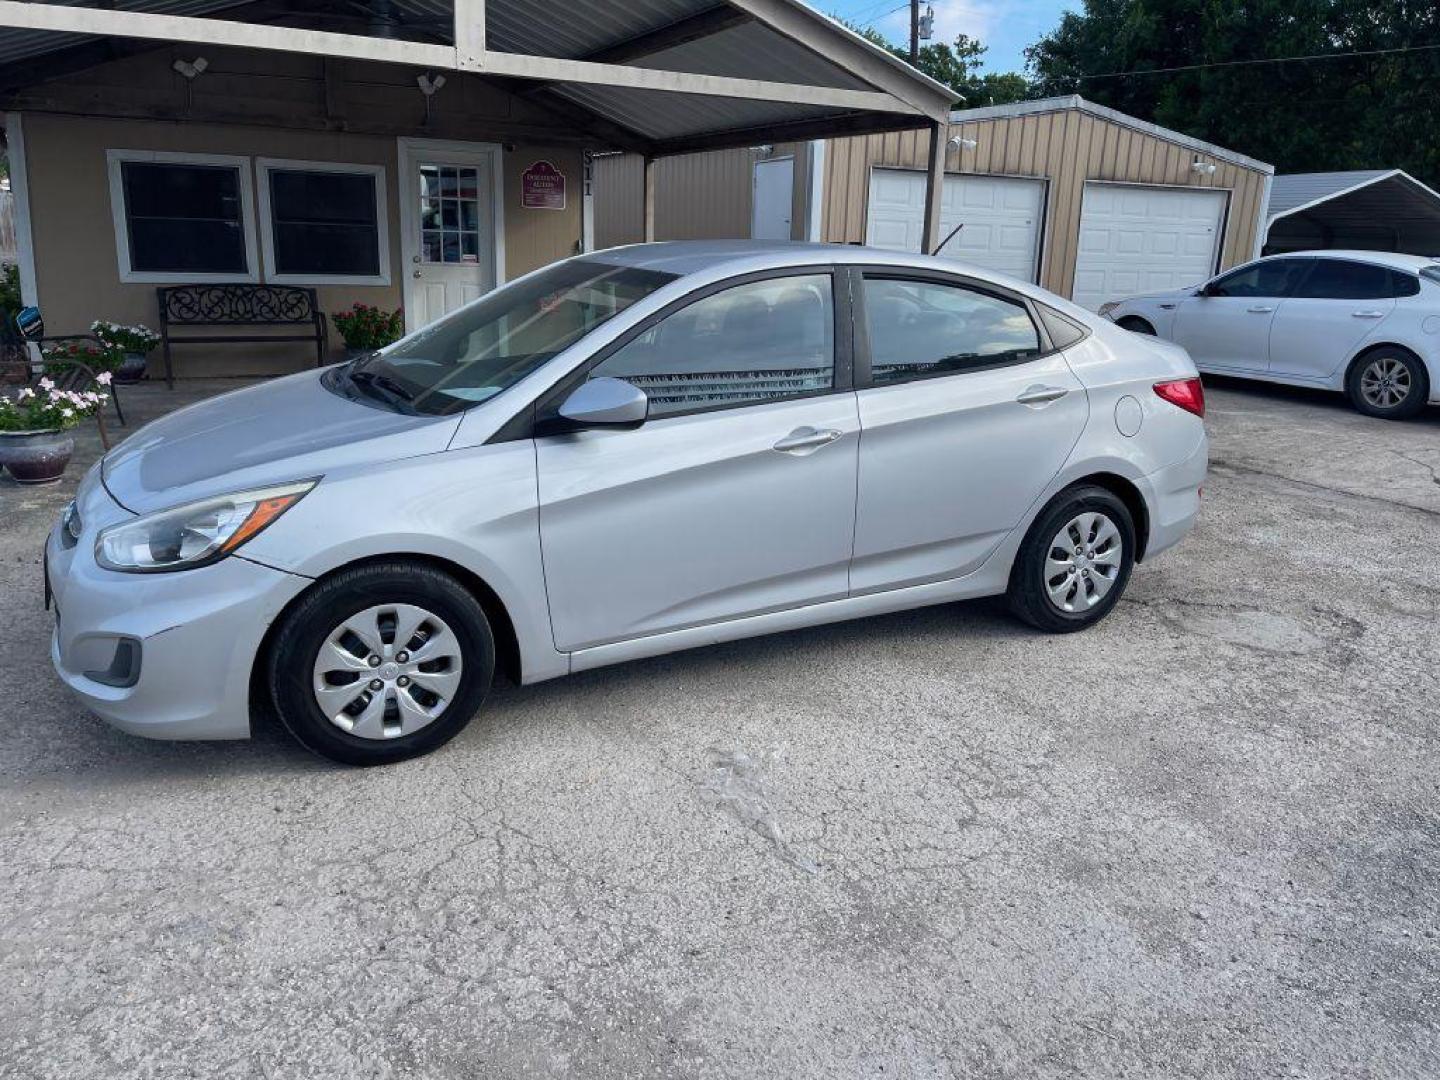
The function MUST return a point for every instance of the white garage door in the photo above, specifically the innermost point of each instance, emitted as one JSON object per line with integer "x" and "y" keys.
{"x": 1001, "y": 214}
{"x": 1144, "y": 239}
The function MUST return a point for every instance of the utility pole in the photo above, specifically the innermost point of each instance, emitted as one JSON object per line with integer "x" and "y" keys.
{"x": 914, "y": 33}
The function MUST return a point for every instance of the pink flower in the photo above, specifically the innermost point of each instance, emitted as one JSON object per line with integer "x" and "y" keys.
{"x": 103, "y": 378}
{"x": 46, "y": 384}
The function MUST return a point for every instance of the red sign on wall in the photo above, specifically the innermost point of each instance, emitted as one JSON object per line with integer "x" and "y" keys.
{"x": 542, "y": 187}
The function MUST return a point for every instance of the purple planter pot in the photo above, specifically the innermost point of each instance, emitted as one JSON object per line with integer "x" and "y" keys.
{"x": 35, "y": 457}
{"x": 131, "y": 369}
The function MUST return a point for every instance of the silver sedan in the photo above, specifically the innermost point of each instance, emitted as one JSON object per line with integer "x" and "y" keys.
{"x": 621, "y": 455}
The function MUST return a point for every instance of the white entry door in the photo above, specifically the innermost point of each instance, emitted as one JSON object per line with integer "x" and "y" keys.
{"x": 774, "y": 194}
{"x": 1001, "y": 216}
{"x": 1136, "y": 239}
{"x": 450, "y": 216}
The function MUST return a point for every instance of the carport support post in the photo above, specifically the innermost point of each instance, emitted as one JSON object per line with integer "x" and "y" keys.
{"x": 649, "y": 207}
{"x": 934, "y": 188}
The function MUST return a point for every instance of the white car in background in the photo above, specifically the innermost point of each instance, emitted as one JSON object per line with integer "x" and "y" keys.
{"x": 1363, "y": 322}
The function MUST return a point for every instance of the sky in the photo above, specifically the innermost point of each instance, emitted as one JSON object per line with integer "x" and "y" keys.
{"x": 1006, "y": 26}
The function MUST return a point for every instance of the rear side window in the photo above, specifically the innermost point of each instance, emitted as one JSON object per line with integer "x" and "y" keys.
{"x": 920, "y": 329}
{"x": 1337, "y": 279}
{"x": 761, "y": 341}
{"x": 1275, "y": 277}
{"x": 1063, "y": 332}
{"x": 1405, "y": 284}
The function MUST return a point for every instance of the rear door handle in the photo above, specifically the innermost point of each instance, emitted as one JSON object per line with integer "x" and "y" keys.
{"x": 1260, "y": 309}
{"x": 1041, "y": 395}
{"x": 806, "y": 440}
{"x": 1367, "y": 314}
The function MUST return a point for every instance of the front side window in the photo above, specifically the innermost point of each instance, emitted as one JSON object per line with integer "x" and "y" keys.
{"x": 324, "y": 223}
{"x": 1337, "y": 279}
{"x": 761, "y": 341}
{"x": 179, "y": 219}
{"x": 489, "y": 345}
{"x": 920, "y": 329}
{"x": 1273, "y": 278}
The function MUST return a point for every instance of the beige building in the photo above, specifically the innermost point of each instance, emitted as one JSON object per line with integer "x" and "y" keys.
{"x": 396, "y": 153}
{"x": 1086, "y": 201}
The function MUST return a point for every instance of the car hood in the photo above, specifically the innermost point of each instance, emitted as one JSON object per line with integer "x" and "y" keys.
{"x": 284, "y": 429}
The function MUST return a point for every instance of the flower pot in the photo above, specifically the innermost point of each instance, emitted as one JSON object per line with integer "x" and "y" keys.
{"x": 36, "y": 457}
{"x": 131, "y": 369}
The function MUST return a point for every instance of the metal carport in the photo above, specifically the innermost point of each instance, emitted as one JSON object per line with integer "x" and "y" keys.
{"x": 1373, "y": 210}
{"x": 657, "y": 77}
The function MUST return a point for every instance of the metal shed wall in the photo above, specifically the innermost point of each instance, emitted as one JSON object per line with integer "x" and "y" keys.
{"x": 697, "y": 196}
{"x": 1067, "y": 146}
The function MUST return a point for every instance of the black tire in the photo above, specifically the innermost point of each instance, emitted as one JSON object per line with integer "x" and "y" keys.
{"x": 1418, "y": 384}
{"x": 1137, "y": 325}
{"x": 1029, "y": 597}
{"x": 290, "y": 666}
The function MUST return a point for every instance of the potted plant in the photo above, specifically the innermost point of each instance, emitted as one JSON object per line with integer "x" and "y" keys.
{"x": 131, "y": 342}
{"x": 366, "y": 328}
{"x": 34, "y": 424}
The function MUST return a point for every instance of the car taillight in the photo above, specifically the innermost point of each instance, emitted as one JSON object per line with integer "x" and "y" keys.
{"x": 1189, "y": 394}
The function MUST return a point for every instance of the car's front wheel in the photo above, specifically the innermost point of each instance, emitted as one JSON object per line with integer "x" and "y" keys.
{"x": 381, "y": 663}
{"x": 1075, "y": 561}
{"x": 1388, "y": 383}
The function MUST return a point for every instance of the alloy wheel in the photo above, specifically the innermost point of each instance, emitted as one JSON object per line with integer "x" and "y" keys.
{"x": 1083, "y": 562}
{"x": 1385, "y": 382}
{"x": 387, "y": 671}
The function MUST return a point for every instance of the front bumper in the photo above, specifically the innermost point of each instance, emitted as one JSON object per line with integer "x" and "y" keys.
{"x": 1172, "y": 495}
{"x": 191, "y": 636}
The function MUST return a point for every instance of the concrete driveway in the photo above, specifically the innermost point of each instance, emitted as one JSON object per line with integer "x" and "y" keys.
{"x": 1200, "y": 840}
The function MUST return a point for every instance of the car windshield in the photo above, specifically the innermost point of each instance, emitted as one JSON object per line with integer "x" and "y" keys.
{"x": 487, "y": 346}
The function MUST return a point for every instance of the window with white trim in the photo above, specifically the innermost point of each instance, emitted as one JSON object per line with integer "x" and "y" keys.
{"x": 182, "y": 217}
{"x": 323, "y": 223}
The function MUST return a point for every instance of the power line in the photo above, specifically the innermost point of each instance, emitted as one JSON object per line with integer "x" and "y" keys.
{"x": 1263, "y": 60}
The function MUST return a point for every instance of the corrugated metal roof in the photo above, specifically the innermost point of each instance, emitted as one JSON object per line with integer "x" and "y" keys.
{"x": 574, "y": 29}
{"x": 657, "y": 114}
{"x": 1296, "y": 189}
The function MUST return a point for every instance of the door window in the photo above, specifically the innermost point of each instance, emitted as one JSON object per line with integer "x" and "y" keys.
{"x": 1273, "y": 278}
{"x": 761, "y": 341}
{"x": 449, "y": 214}
{"x": 920, "y": 329}
{"x": 1338, "y": 279}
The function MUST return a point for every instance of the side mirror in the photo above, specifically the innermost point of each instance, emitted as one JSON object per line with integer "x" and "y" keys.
{"x": 1208, "y": 289}
{"x": 605, "y": 403}
{"x": 29, "y": 323}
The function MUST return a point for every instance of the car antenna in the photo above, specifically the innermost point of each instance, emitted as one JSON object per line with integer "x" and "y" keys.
{"x": 940, "y": 246}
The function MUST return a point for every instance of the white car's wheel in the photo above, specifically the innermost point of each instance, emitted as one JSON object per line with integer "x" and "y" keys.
{"x": 1389, "y": 383}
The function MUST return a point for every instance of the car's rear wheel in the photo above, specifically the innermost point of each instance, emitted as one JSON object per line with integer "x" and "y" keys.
{"x": 381, "y": 663}
{"x": 1388, "y": 383}
{"x": 1075, "y": 561}
{"x": 1137, "y": 325}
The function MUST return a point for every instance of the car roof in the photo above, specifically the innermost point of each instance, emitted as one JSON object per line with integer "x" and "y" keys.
{"x": 1380, "y": 258}
{"x": 694, "y": 256}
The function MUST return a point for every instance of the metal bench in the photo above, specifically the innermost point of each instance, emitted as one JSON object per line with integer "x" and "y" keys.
{"x": 211, "y": 306}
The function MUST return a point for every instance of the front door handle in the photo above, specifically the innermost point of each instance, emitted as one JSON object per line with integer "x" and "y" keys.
{"x": 1260, "y": 309}
{"x": 806, "y": 440}
{"x": 1367, "y": 314}
{"x": 1041, "y": 395}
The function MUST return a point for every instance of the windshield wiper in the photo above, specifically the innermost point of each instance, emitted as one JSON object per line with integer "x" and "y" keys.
{"x": 388, "y": 388}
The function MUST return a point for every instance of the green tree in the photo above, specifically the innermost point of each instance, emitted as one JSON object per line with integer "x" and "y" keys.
{"x": 957, "y": 65}
{"x": 1346, "y": 112}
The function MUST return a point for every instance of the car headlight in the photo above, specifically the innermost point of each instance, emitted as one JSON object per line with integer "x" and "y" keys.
{"x": 1108, "y": 307}
{"x": 195, "y": 534}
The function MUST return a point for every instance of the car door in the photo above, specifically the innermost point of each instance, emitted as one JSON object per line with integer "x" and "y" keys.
{"x": 965, "y": 415}
{"x": 736, "y": 496}
{"x": 1335, "y": 307}
{"x": 1226, "y": 326}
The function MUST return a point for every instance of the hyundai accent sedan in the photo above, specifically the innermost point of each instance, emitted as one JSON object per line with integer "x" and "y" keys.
{"x": 621, "y": 455}
{"x": 1366, "y": 323}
